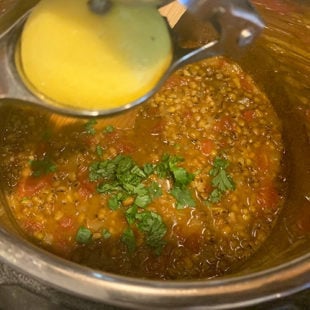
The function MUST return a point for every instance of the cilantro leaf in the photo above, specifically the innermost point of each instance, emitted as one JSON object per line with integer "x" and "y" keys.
{"x": 89, "y": 127}
{"x": 154, "y": 190}
{"x": 105, "y": 233}
{"x": 152, "y": 225}
{"x": 99, "y": 151}
{"x": 181, "y": 176}
{"x": 131, "y": 214}
{"x": 83, "y": 235}
{"x": 108, "y": 129}
{"x": 128, "y": 238}
{"x": 115, "y": 201}
{"x": 42, "y": 166}
{"x": 183, "y": 197}
{"x": 143, "y": 200}
{"x": 148, "y": 168}
{"x": 221, "y": 181}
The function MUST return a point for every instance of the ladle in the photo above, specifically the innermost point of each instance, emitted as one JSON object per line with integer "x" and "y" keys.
{"x": 236, "y": 22}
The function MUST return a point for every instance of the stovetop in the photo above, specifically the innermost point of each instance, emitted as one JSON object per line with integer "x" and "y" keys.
{"x": 20, "y": 292}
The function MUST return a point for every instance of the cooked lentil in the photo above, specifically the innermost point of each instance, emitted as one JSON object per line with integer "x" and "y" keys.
{"x": 230, "y": 179}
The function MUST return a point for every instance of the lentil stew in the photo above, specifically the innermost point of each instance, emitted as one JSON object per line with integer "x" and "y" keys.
{"x": 190, "y": 187}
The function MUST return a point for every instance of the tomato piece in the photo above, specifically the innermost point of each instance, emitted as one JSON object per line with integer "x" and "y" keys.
{"x": 31, "y": 226}
{"x": 246, "y": 84}
{"x": 31, "y": 185}
{"x": 268, "y": 197}
{"x": 249, "y": 115}
{"x": 207, "y": 147}
{"x": 224, "y": 123}
{"x": 263, "y": 160}
{"x": 62, "y": 247}
{"x": 87, "y": 188}
{"x": 66, "y": 222}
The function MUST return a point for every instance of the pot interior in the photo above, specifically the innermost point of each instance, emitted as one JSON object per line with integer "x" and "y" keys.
{"x": 279, "y": 64}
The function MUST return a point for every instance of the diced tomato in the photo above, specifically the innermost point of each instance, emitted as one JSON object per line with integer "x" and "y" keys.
{"x": 188, "y": 115}
{"x": 224, "y": 123}
{"x": 246, "y": 84}
{"x": 62, "y": 246}
{"x": 207, "y": 146}
{"x": 249, "y": 115}
{"x": 263, "y": 161}
{"x": 157, "y": 128}
{"x": 193, "y": 242}
{"x": 124, "y": 147}
{"x": 66, "y": 222}
{"x": 87, "y": 188}
{"x": 31, "y": 185}
{"x": 31, "y": 226}
{"x": 268, "y": 197}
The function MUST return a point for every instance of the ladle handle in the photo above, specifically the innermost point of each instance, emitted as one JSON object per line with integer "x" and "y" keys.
{"x": 236, "y": 22}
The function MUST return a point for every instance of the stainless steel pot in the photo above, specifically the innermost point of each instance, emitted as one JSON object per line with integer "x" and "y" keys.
{"x": 279, "y": 62}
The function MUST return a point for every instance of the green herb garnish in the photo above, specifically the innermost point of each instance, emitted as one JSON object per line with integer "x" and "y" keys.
{"x": 128, "y": 237}
{"x": 83, "y": 235}
{"x": 152, "y": 225}
{"x": 120, "y": 178}
{"x": 131, "y": 214}
{"x": 99, "y": 151}
{"x": 42, "y": 166}
{"x": 105, "y": 233}
{"x": 114, "y": 202}
{"x": 108, "y": 129}
{"x": 89, "y": 127}
{"x": 183, "y": 197}
{"x": 221, "y": 181}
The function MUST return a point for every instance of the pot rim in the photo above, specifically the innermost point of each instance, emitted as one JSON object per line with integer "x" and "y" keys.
{"x": 225, "y": 293}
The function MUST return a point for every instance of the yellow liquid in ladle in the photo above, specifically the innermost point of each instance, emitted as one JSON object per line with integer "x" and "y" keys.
{"x": 88, "y": 61}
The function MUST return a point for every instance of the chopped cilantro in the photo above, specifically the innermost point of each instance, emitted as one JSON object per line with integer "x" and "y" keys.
{"x": 183, "y": 197}
{"x": 89, "y": 127}
{"x": 148, "y": 169}
{"x": 154, "y": 190}
{"x": 121, "y": 177}
{"x": 131, "y": 214}
{"x": 143, "y": 200}
{"x": 42, "y": 166}
{"x": 181, "y": 176}
{"x": 105, "y": 233}
{"x": 83, "y": 235}
{"x": 164, "y": 168}
{"x": 128, "y": 238}
{"x": 221, "y": 181}
{"x": 152, "y": 225}
{"x": 114, "y": 202}
{"x": 108, "y": 129}
{"x": 99, "y": 151}
{"x": 215, "y": 196}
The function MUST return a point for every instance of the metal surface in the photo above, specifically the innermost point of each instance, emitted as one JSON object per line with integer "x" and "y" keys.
{"x": 144, "y": 294}
{"x": 236, "y": 22}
